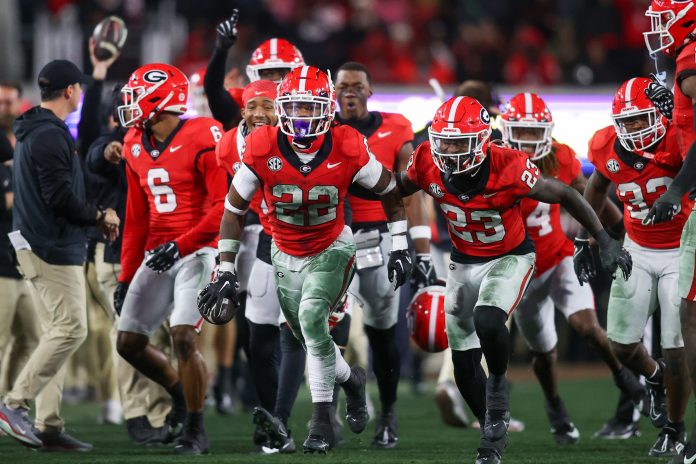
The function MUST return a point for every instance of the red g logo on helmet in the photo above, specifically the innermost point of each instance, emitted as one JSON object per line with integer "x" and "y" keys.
{"x": 306, "y": 102}
{"x": 151, "y": 90}
{"x": 527, "y": 125}
{"x": 672, "y": 25}
{"x": 426, "y": 319}
{"x": 637, "y": 122}
{"x": 274, "y": 54}
{"x": 459, "y": 134}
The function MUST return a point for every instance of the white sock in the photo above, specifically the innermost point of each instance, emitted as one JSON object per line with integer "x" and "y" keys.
{"x": 342, "y": 367}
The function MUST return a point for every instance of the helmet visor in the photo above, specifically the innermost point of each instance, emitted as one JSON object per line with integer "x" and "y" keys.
{"x": 457, "y": 153}
{"x": 304, "y": 116}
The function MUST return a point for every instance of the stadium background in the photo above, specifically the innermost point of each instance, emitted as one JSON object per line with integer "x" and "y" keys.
{"x": 574, "y": 53}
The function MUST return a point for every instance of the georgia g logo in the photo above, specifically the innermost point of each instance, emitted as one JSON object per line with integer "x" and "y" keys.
{"x": 155, "y": 76}
{"x": 410, "y": 162}
{"x": 485, "y": 117}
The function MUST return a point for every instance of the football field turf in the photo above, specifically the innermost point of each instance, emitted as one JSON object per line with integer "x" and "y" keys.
{"x": 423, "y": 438}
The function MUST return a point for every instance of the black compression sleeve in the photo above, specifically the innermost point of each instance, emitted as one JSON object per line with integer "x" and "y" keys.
{"x": 221, "y": 103}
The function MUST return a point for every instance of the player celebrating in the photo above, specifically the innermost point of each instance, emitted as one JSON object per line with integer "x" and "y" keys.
{"x": 175, "y": 199}
{"x": 527, "y": 125}
{"x": 389, "y": 136}
{"x": 305, "y": 168}
{"x": 479, "y": 185}
{"x": 640, "y": 155}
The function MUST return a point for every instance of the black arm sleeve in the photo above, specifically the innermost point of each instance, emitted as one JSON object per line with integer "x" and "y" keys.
{"x": 95, "y": 156}
{"x": 221, "y": 103}
{"x": 686, "y": 178}
{"x": 54, "y": 169}
{"x": 6, "y": 150}
{"x": 89, "y": 127}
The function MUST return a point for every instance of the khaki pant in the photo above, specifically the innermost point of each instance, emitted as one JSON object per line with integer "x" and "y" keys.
{"x": 19, "y": 329}
{"x": 59, "y": 293}
{"x": 139, "y": 395}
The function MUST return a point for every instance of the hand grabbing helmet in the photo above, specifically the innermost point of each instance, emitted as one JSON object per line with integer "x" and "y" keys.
{"x": 527, "y": 125}
{"x": 276, "y": 54}
{"x": 306, "y": 103}
{"x": 459, "y": 134}
{"x": 426, "y": 319}
{"x": 151, "y": 90}
{"x": 637, "y": 122}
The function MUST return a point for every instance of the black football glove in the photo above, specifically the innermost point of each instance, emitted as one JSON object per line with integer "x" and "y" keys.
{"x": 423, "y": 273}
{"x": 162, "y": 258}
{"x": 613, "y": 255}
{"x": 399, "y": 267}
{"x": 583, "y": 261}
{"x": 227, "y": 31}
{"x": 218, "y": 302}
{"x": 661, "y": 97}
{"x": 120, "y": 296}
{"x": 664, "y": 208}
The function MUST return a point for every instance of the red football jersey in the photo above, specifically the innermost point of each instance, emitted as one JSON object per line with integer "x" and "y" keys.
{"x": 305, "y": 201}
{"x": 229, "y": 152}
{"x": 489, "y": 223}
{"x": 640, "y": 180}
{"x": 389, "y": 133}
{"x": 543, "y": 220}
{"x": 175, "y": 191}
{"x": 683, "y": 113}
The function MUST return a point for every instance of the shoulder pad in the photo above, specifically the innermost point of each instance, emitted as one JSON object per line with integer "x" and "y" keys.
{"x": 602, "y": 139}
{"x": 396, "y": 119}
{"x": 260, "y": 142}
{"x": 348, "y": 140}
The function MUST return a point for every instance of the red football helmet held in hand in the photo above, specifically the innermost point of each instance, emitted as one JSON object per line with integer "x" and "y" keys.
{"x": 459, "y": 135}
{"x": 637, "y": 122}
{"x": 527, "y": 125}
{"x": 151, "y": 90}
{"x": 426, "y": 319}
{"x": 277, "y": 55}
{"x": 672, "y": 25}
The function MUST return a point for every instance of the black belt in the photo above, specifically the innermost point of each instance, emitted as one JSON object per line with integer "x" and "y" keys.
{"x": 379, "y": 225}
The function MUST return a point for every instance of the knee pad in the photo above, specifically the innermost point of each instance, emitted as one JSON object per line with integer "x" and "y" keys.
{"x": 489, "y": 319}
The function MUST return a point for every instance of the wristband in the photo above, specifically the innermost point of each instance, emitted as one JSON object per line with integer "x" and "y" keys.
{"x": 228, "y": 245}
{"x": 397, "y": 227}
{"x": 226, "y": 266}
{"x": 417, "y": 232}
{"x": 231, "y": 208}
{"x": 399, "y": 242}
{"x": 390, "y": 186}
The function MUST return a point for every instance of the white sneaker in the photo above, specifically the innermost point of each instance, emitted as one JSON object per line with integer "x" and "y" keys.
{"x": 112, "y": 413}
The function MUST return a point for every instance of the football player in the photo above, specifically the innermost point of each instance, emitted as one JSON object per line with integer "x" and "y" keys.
{"x": 305, "y": 167}
{"x": 479, "y": 186}
{"x": 640, "y": 155}
{"x": 389, "y": 136}
{"x": 673, "y": 26}
{"x": 271, "y": 60}
{"x": 527, "y": 125}
{"x": 175, "y": 201}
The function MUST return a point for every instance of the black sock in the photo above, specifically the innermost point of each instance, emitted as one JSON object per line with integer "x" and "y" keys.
{"x": 471, "y": 380}
{"x": 194, "y": 421}
{"x": 263, "y": 363}
{"x": 291, "y": 373}
{"x": 176, "y": 391}
{"x": 494, "y": 337}
{"x": 678, "y": 427}
{"x": 386, "y": 364}
{"x": 223, "y": 379}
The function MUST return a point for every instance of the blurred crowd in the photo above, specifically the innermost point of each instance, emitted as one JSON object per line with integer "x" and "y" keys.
{"x": 517, "y": 42}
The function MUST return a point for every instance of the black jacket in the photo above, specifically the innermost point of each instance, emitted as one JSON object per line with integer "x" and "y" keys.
{"x": 7, "y": 267}
{"x": 50, "y": 203}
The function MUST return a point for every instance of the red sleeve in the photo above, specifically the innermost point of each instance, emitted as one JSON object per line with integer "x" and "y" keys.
{"x": 225, "y": 151}
{"x": 525, "y": 174}
{"x": 411, "y": 170}
{"x": 215, "y": 179}
{"x": 135, "y": 229}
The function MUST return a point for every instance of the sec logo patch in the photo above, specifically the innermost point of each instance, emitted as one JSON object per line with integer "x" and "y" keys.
{"x": 236, "y": 167}
{"x": 435, "y": 190}
{"x": 275, "y": 164}
{"x": 135, "y": 150}
{"x": 613, "y": 165}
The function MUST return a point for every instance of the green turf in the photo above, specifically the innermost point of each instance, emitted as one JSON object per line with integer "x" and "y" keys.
{"x": 423, "y": 439}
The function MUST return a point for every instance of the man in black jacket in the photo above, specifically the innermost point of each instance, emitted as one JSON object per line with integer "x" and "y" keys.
{"x": 51, "y": 212}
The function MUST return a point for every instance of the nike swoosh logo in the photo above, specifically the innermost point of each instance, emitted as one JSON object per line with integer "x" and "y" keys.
{"x": 333, "y": 165}
{"x": 381, "y": 135}
{"x": 258, "y": 93}
{"x": 488, "y": 195}
{"x": 173, "y": 149}
{"x": 690, "y": 460}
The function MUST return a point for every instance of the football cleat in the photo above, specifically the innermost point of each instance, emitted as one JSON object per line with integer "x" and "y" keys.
{"x": 669, "y": 443}
{"x": 451, "y": 405}
{"x": 356, "y": 402}
{"x": 563, "y": 430}
{"x": 173, "y": 425}
{"x": 514, "y": 426}
{"x": 61, "y": 441}
{"x": 386, "y": 431}
{"x": 141, "y": 432}
{"x": 497, "y": 417}
{"x": 657, "y": 398}
{"x": 278, "y": 435}
{"x": 487, "y": 456}
{"x": 320, "y": 439}
{"x": 193, "y": 443}
{"x": 316, "y": 444}
{"x": 615, "y": 429}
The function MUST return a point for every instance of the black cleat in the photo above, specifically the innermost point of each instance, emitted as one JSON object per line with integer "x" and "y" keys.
{"x": 487, "y": 456}
{"x": 173, "y": 425}
{"x": 193, "y": 443}
{"x": 563, "y": 430}
{"x": 321, "y": 438}
{"x": 61, "y": 441}
{"x": 497, "y": 417}
{"x": 356, "y": 401}
{"x": 669, "y": 443}
{"x": 386, "y": 431}
{"x": 279, "y": 437}
{"x": 685, "y": 455}
{"x": 141, "y": 432}
{"x": 631, "y": 387}
{"x": 260, "y": 437}
{"x": 657, "y": 398}
{"x": 315, "y": 444}
{"x": 618, "y": 430}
